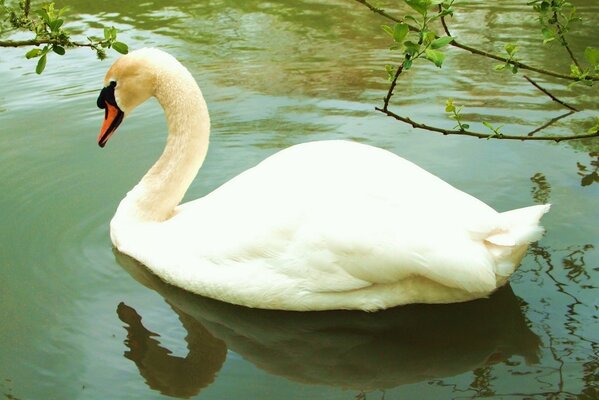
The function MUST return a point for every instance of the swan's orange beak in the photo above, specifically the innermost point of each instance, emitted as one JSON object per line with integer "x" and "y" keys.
{"x": 113, "y": 117}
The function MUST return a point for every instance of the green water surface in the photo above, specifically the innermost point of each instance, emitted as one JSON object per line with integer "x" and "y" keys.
{"x": 275, "y": 74}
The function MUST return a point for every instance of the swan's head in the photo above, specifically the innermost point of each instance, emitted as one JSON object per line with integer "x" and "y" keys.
{"x": 130, "y": 81}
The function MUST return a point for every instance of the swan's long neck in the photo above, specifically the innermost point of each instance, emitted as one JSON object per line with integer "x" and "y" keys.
{"x": 155, "y": 197}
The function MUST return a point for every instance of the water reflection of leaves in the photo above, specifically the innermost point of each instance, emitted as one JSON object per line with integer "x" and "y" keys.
{"x": 351, "y": 350}
{"x": 590, "y": 174}
{"x": 541, "y": 191}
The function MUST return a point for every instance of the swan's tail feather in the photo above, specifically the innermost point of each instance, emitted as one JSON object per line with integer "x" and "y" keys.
{"x": 520, "y": 226}
{"x": 512, "y": 234}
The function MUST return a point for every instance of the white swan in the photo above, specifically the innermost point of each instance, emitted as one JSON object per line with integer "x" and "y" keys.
{"x": 320, "y": 225}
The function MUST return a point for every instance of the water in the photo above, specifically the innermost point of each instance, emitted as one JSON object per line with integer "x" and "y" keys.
{"x": 276, "y": 74}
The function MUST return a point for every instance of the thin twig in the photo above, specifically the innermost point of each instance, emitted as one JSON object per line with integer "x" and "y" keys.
{"x": 26, "y": 8}
{"x": 549, "y": 123}
{"x": 552, "y": 97}
{"x": 476, "y": 51}
{"x": 562, "y": 37}
{"x": 379, "y": 11}
{"x": 443, "y": 22}
{"x": 484, "y": 135}
{"x": 392, "y": 86}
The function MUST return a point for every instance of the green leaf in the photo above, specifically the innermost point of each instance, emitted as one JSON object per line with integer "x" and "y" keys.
{"x": 511, "y": 48}
{"x": 544, "y": 6}
{"x": 120, "y": 47}
{"x": 449, "y": 107}
{"x": 441, "y": 42}
{"x": 44, "y": 14}
{"x": 592, "y": 55}
{"x": 41, "y": 65}
{"x": 407, "y": 64}
{"x": 400, "y": 31}
{"x": 575, "y": 71}
{"x": 390, "y": 71}
{"x": 412, "y": 18}
{"x": 411, "y": 47}
{"x": 429, "y": 36}
{"x": 106, "y": 33}
{"x": 421, "y": 6}
{"x": 548, "y": 35}
{"x": 499, "y": 67}
{"x": 113, "y": 32}
{"x": 58, "y": 50}
{"x": 63, "y": 11}
{"x": 33, "y": 53}
{"x": 388, "y": 29}
{"x": 55, "y": 25}
{"x": 594, "y": 128}
{"x": 465, "y": 126}
{"x": 435, "y": 56}
{"x": 491, "y": 127}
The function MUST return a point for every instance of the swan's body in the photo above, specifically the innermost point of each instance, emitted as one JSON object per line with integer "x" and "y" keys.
{"x": 321, "y": 225}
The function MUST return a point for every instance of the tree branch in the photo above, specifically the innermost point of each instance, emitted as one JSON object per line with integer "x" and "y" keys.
{"x": 392, "y": 86}
{"x": 39, "y": 42}
{"x": 30, "y": 42}
{"x": 379, "y": 11}
{"x": 464, "y": 132}
{"x": 444, "y": 23}
{"x": 552, "y": 97}
{"x": 417, "y": 125}
{"x": 549, "y": 123}
{"x": 476, "y": 51}
{"x": 560, "y": 32}
{"x": 26, "y": 8}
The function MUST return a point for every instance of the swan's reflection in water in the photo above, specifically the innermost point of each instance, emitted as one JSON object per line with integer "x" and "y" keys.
{"x": 348, "y": 349}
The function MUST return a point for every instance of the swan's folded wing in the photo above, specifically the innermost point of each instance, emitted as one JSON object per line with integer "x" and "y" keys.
{"x": 400, "y": 247}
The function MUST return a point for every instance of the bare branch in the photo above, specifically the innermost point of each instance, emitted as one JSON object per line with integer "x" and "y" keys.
{"x": 552, "y": 97}
{"x": 379, "y": 11}
{"x": 549, "y": 123}
{"x": 392, "y": 86}
{"x": 443, "y": 22}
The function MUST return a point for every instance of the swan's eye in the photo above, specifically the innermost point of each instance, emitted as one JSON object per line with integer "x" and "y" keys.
{"x": 107, "y": 96}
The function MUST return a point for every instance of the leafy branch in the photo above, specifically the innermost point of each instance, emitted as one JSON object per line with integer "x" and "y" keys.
{"x": 555, "y": 17}
{"x": 49, "y": 36}
{"x": 473, "y": 50}
{"x": 413, "y": 36}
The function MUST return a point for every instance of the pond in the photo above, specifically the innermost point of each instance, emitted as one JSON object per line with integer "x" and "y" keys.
{"x": 81, "y": 321}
